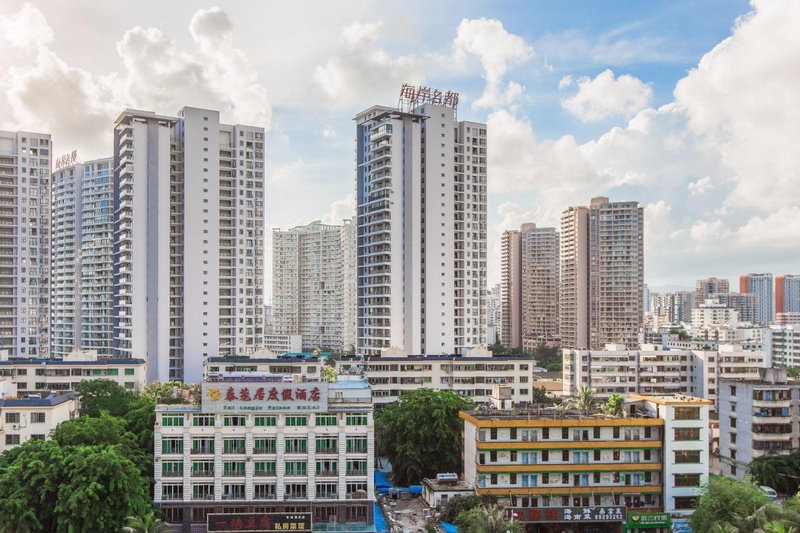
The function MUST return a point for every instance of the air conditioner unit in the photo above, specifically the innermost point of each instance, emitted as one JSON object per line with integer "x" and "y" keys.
{"x": 14, "y": 426}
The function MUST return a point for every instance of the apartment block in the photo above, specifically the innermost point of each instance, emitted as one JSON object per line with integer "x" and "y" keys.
{"x": 709, "y": 288}
{"x": 281, "y": 344}
{"x": 35, "y": 375}
{"x": 188, "y": 240}
{"x": 757, "y": 417}
{"x": 299, "y": 368}
{"x": 787, "y": 293}
{"x": 421, "y": 196}
{"x": 530, "y": 276}
{"x": 24, "y": 418}
{"x": 713, "y": 313}
{"x": 82, "y": 257}
{"x": 761, "y": 286}
{"x": 494, "y": 321}
{"x": 314, "y": 283}
{"x": 602, "y": 274}
{"x": 25, "y": 165}
{"x": 745, "y": 305}
{"x": 671, "y": 307}
{"x": 262, "y": 445}
{"x": 576, "y": 471}
{"x": 782, "y": 343}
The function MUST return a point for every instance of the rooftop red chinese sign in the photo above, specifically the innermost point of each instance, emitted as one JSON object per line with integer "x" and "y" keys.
{"x": 259, "y": 522}
{"x": 412, "y": 96}
{"x": 254, "y": 396}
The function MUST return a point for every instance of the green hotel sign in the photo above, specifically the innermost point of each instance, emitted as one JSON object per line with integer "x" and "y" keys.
{"x": 648, "y": 520}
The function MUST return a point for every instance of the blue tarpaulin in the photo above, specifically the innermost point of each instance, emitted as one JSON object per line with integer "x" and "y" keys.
{"x": 380, "y": 522}
{"x": 449, "y": 528}
{"x": 415, "y": 489}
{"x": 382, "y": 483}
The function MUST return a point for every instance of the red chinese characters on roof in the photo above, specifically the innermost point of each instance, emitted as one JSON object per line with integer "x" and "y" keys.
{"x": 273, "y": 394}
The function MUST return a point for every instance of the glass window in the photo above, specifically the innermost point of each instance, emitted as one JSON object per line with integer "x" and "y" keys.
{"x": 171, "y": 420}
{"x": 356, "y": 445}
{"x": 687, "y": 456}
{"x": 687, "y": 413}
{"x": 685, "y": 502}
{"x": 264, "y": 421}
{"x": 203, "y": 445}
{"x": 130, "y": 371}
{"x": 202, "y": 491}
{"x": 172, "y": 446}
{"x": 233, "y": 446}
{"x": 296, "y": 445}
{"x": 687, "y": 480}
{"x": 233, "y": 468}
{"x": 12, "y": 418}
{"x": 296, "y": 468}
{"x": 265, "y": 468}
{"x": 687, "y": 434}
{"x": 264, "y": 491}
{"x": 327, "y": 445}
{"x": 356, "y": 420}
{"x": 238, "y": 421}
{"x": 326, "y": 420}
{"x": 203, "y": 420}
{"x": 202, "y": 468}
{"x": 296, "y": 420}
{"x": 38, "y": 418}
{"x": 172, "y": 469}
{"x": 233, "y": 491}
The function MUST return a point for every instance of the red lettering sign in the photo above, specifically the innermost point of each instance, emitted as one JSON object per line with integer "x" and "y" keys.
{"x": 273, "y": 394}
{"x": 300, "y": 394}
{"x": 230, "y": 395}
{"x": 287, "y": 394}
{"x": 265, "y": 522}
{"x": 244, "y": 394}
{"x": 315, "y": 394}
{"x": 259, "y": 394}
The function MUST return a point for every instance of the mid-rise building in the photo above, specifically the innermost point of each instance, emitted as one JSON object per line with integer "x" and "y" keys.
{"x": 713, "y": 313}
{"x": 757, "y": 417}
{"x": 494, "y": 321}
{"x": 787, "y": 319}
{"x": 36, "y": 375}
{"x": 25, "y": 165}
{"x": 299, "y": 368}
{"x": 744, "y": 304}
{"x": 421, "y": 197}
{"x": 671, "y": 307}
{"x": 24, "y": 418}
{"x": 576, "y": 471}
{"x": 313, "y": 282}
{"x": 260, "y": 444}
{"x": 602, "y": 274}
{"x": 783, "y": 344}
{"x": 709, "y": 288}
{"x": 82, "y": 257}
{"x": 280, "y": 344}
{"x": 530, "y": 276}
{"x": 188, "y": 240}
{"x": 761, "y": 286}
{"x": 787, "y": 293}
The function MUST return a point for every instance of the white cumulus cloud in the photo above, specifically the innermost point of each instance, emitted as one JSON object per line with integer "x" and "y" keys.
{"x": 605, "y": 96}
{"x": 26, "y": 28}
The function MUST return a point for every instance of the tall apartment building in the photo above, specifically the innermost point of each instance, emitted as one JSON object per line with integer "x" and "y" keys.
{"x": 709, "y": 288}
{"x": 494, "y": 314}
{"x": 787, "y": 293}
{"x": 313, "y": 284}
{"x": 188, "y": 240}
{"x": 672, "y": 307}
{"x": 761, "y": 286}
{"x": 744, "y": 304}
{"x": 421, "y": 195}
{"x": 602, "y": 274}
{"x": 782, "y": 343}
{"x": 530, "y": 276}
{"x": 82, "y": 257}
{"x": 25, "y": 165}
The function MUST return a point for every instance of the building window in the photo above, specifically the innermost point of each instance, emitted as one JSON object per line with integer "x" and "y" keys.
{"x": 327, "y": 467}
{"x": 233, "y": 421}
{"x": 296, "y": 420}
{"x": 687, "y": 434}
{"x": 261, "y": 446}
{"x": 172, "y": 446}
{"x": 172, "y": 469}
{"x": 687, "y": 456}
{"x": 295, "y": 491}
{"x": 327, "y": 445}
{"x": 202, "y": 491}
{"x": 687, "y": 480}
{"x": 356, "y": 445}
{"x": 295, "y": 445}
{"x": 232, "y": 491}
{"x": 356, "y": 420}
{"x": 203, "y": 445}
{"x": 265, "y": 421}
{"x": 202, "y": 468}
{"x": 296, "y": 468}
{"x": 325, "y": 420}
{"x": 264, "y": 491}
{"x": 203, "y": 420}
{"x": 685, "y": 502}
{"x": 172, "y": 492}
{"x": 38, "y": 418}
{"x": 171, "y": 420}
{"x": 327, "y": 491}
{"x": 616, "y": 432}
{"x": 233, "y": 446}
{"x": 356, "y": 468}
{"x": 265, "y": 468}
{"x": 38, "y": 437}
{"x": 12, "y": 440}
{"x": 687, "y": 413}
{"x": 12, "y": 418}
{"x": 130, "y": 372}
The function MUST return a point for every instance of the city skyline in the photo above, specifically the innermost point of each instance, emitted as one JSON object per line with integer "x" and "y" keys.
{"x": 543, "y": 88}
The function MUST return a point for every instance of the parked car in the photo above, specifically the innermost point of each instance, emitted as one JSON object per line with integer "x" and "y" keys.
{"x": 771, "y": 493}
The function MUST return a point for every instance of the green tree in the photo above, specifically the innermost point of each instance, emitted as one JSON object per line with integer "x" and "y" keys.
{"x": 140, "y": 420}
{"x": 613, "y": 406}
{"x": 421, "y": 434}
{"x": 781, "y": 472}
{"x": 171, "y": 392}
{"x": 485, "y": 520}
{"x": 539, "y": 395}
{"x": 459, "y": 504}
{"x": 99, "y": 395}
{"x": 147, "y": 523}
{"x": 328, "y": 373}
{"x": 725, "y": 501}
{"x": 584, "y": 400}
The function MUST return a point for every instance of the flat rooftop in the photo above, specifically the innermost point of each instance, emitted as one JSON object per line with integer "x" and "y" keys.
{"x": 49, "y": 401}
{"x": 444, "y": 486}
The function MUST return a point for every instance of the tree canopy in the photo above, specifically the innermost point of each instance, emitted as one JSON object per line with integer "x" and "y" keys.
{"x": 483, "y": 519}
{"x": 726, "y": 501}
{"x": 781, "y": 472}
{"x": 421, "y": 434}
{"x": 98, "y": 395}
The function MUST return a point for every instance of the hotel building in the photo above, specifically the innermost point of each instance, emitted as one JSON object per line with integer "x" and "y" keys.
{"x": 188, "y": 240}
{"x": 25, "y": 164}
{"x": 82, "y": 258}
{"x": 421, "y": 197}
{"x": 586, "y": 470}
{"x": 261, "y": 445}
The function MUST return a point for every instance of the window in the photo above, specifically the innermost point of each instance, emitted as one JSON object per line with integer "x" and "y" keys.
{"x": 12, "y": 440}
{"x": 264, "y": 421}
{"x": 326, "y": 420}
{"x": 687, "y": 434}
{"x": 513, "y": 433}
{"x": 327, "y": 445}
{"x": 687, "y": 456}
{"x": 233, "y": 468}
{"x": 296, "y": 420}
{"x": 356, "y": 468}
{"x": 295, "y": 491}
{"x": 493, "y": 433}
{"x": 616, "y": 432}
{"x": 687, "y": 413}
{"x": 296, "y": 468}
{"x": 565, "y": 455}
{"x": 235, "y": 421}
{"x": 130, "y": 371}
{"x": 113, "y": 372}
{"x": 203, "y": 420}
{"x": 687, "y": 480}
{"x": 12, "y": 418}
{"x": 171, "y": 420}
{"x": 202, "y": 468}
{"x": 264, "y": 491}
{"x": 685, "y": 502}
{"x": 564, "y": 433}
{"x": 493, "y": 456}
{"x": 233, "y": 446}
{"x": 203, "y": 445}
{"x": 37, "y": 418}
{"x": 596, "y": 432}
{"x": 327, "y": 467}
{"x": 172, "y": 446}
{"x": 172, "y": 492}
{"x": 37, "y": 437}
{"x": 356, "y": 420}
{"x": 545, "y": 433}
{"x": 202, "y": 491}
{"x": 264, "y": 468}
{"x": 616, "y": 455}
{"x": 172, "y": 469}
{"x": 597, "y": 455}
{"x": 295, "y": 445}
{"x": 356, "y": 445}
{"x": 264, "y": 446}
{"x": 545, "y": 455}
{"x": 326, "y": 490}
{"x": 233, "y": 491}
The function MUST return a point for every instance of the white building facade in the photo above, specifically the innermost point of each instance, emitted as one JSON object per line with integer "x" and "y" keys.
{"x": 421, "y": 196}
{"x": 31, "y": 418}
{"x": 82, "y": 257}
{"x": 25, "y": 166}
{"x": 189, "y": 240}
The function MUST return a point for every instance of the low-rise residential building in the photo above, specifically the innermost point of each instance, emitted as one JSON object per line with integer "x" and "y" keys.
{"x": 783, "y": 344}
{"x": 43, "y": 375}
{"x": 584, "y": 470}
{"x": 283, "y": 343}
{"x": 24, "y": 418}
{"x": 259, "y": 444}
{"x": 437, "y": 492}
{"x": 757, "y": 417}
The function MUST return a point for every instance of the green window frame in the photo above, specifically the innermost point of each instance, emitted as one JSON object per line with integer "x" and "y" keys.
{"x": 326, "y": 420}
{"x": 356, "y": 445}
{"x": 113, "y": 371}
{"x": 265, "y": 468}
{"x": 233, "y": 446}
{"x": 295, "y": 445}
{"x": 234, "y": 421}
{"x": 297, "y": 420}
{"x": 172, "y": 469}
{"x": 356, "y": 420}
{"x": 327, "y": 445}
{"x": 266, "y": 421}
{"x": 172, "y": 446}
{"x": 265, "y": 446}
{"x": 356, "y": 468}
{"x": 203, "y": 468}
{"x": 172, "y": 420}
{"x": 197, "y": 445}
{"x": 130, "y": 371}
{"x": 203, "y": 420}
{"x": 296, "y": 468}
{"x": 233, "y": 468}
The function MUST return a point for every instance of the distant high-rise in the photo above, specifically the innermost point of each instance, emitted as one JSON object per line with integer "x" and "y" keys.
{"x": 313, "y": 284}
{"x": 81, "y": 262}
{"x": 745, "y": 304}
{"x": 706, "y": 289}
{"x": 25, "y": 164}
{"x": 761, "y": 286}
{"x": 188, "y": 240}
{"x": 530, "y": 285}
{"x": 672, "y": 307}
{"x": 787, "y": 293}
{"x": 421, "y": 195}
{"x": 494, "y": 304}
{"x": 602, "y": 274}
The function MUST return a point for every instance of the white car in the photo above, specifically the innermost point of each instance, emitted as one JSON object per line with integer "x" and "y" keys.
{"x": 770, "y": 492}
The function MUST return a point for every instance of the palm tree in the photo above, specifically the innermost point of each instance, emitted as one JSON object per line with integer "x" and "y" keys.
{"x": 723, "y": 528}
{"x": 778, "y": 527}
{"x": 559, "y": 410}
{"x": 584, "y": 400}
{"x": 756, "y": 522}
{"x": 146, "y": 524}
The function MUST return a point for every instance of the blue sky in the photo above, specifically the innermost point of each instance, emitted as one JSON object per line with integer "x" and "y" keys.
{"x": 562, "y": 128}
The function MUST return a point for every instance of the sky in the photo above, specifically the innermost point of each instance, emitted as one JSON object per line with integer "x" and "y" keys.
{"x": 690, "y": 108}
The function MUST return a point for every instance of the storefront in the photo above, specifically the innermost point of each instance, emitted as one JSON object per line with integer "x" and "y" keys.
{"x": 648, "y": 522}
{"x": 572, "y": 519}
